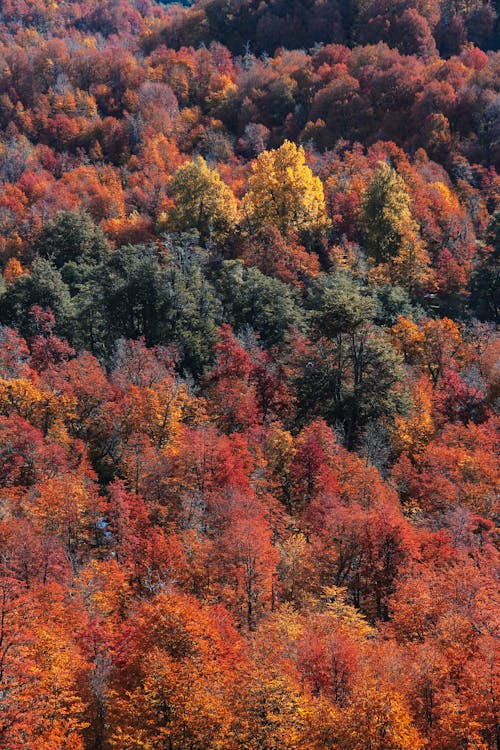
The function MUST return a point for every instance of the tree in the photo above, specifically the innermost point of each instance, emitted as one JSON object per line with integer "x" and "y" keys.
{"x": 43, "y": 705}
{"x": 284, "y": 193}
{"x": 231, "y": 395}
{"x": 192, "y": 309}
{"x": 329, "y": 659}
{"x": 44, "y": 287}
{"x": 160, "y": 295}
{"x": 174, "y": 674}
{"x": 46, "y": 349}
{"x": 458, "y": 469}
{"x": 362, "y": 549}
{"x": 14, "y": 354}
{"x": 68, "y": 507}
{"x": 484, "y": 282}
{"x": 390, "y": 233}
{"x": 297, "y": 571}
{"x": 347, "y": 371}
{"x": 455, "y": 399}
{"x": 414, "y": 430}
{"x": 339, "y": 108}
{"x": 435, "y": 344}
{"x": 372, "y": 390}
{"x": 42, "y": 669}
{"x": 281, "y": 257}
{"x": 379, "y": 719}
{"x": 311, "y": 469}
{"x": 126, "y": 292}
{"x": 202, "y": 202}
{"x": 71, "y": 236}
{"x": 340, "y": 305}
{"x": 252, "y": 300}
{"x": 249, "y": 559}
{"x": 385, "y": 202}
{"x": 13, "y": 269}
{"x": 399, "y": 25}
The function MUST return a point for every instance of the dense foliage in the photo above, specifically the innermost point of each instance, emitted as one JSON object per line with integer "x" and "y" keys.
{"x": 249, "y": 377}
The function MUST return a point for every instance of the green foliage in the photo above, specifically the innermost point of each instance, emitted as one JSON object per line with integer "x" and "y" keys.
{"x": 485, "y": 280}
{"x": 162, "y": 296}
{"x": 351, "y": 380}
{"x": 391, "y": 302}
{"x": 339, "y": 305}
{"x": 191, "y": 311}
{"x": 348, "y": 373}
{"x": 71, "y": 236}
{"x": 252, "y": 300}
{"x": 249, "y": 502}
{"x": 45, "y": 287}
{"x": 386, "y": 204}
{"x": 126, "y": 290}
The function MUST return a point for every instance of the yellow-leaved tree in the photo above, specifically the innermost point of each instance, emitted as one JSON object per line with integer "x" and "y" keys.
{"x": 202, "y": 201}
{"x": 415, "y": 430}
{"x": 284, "y": 192}
{"x": 13, "y": 269}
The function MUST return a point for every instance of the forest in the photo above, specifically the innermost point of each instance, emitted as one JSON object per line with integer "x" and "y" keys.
{"x": 249, "y": 375}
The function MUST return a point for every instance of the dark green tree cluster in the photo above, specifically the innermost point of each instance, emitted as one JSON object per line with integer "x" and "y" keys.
{"x": 329, "y": 336}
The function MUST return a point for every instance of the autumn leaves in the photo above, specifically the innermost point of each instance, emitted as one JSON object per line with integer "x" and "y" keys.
{"x": 284, "y": 195}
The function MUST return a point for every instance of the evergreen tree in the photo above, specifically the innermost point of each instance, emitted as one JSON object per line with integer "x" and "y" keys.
{"x": 71, "y": 236}
{"x": 485, "y": 280}
{"x": 44, "y": 287}
{"x": 253, "y": 300}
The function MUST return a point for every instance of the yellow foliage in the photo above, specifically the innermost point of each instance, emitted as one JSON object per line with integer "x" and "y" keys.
{"x": 335, "y": 603}
{"x": 297, "y": 570}
{"x": 433, "y": 344}
{"x": 391, "y": 235}
{"x": 13, "y": 269}
{"x": 51, "y": 710}
{"x": 202, "y": 201}
{"x": 68, "y": 506}
{"x": 20, "y": 396}
{"x": 415, "y": 430}
{"x": 160, "y": 408}
{"x": 377, "y": 719}
{"x": 284, "y": 192}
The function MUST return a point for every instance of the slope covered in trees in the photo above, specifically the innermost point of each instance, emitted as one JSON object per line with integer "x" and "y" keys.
{"x": 249, "y": 379}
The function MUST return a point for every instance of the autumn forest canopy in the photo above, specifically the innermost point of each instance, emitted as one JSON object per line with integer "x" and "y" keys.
{"x": 249, "y": 375}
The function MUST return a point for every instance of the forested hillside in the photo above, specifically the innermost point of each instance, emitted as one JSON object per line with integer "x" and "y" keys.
{"x": 249, "y": 375}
